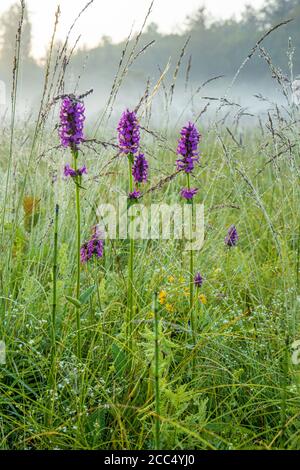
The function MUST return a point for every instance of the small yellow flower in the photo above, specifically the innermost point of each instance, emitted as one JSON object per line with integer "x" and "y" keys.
{"x": 203, "y": 299}
{"x": 170, "y": 308}
{"x": 181, "y": 280}
{"x": 162, "y": 296}
{"x": 171, "y": 279}
{"x": 150, "y": 315}
{"x": 186, "y": 291}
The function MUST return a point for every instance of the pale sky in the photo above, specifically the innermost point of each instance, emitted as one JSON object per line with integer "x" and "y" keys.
{"x": 114, "y": 18}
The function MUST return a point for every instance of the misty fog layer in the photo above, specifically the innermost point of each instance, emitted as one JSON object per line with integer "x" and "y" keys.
{"x": 207, "y": 49}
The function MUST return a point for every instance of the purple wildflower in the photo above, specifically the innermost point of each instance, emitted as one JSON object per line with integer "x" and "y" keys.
{"x": 82, "y": 170}
{"x": 188, "y": 194}
{"x": 134, "y": 195}
{"x": 232, "y": 236}
{"x": 93, "y": 247}
{"x": 68, "y": 171}
{"x": 198, "y": 280}
{"x": 188, "y": 148}
{"x": 71, "y": 122}
{"x": 140, "y": 169}
{"x": 129, "y": 133}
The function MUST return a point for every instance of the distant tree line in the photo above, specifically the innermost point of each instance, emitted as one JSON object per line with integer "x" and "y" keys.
{"x": 215, "y": 47}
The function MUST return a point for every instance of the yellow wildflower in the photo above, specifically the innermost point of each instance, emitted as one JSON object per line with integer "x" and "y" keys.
{"x": 203, "y": 299}
{"x": 162, "y": 296}
{"x": 171, "y": 279}
{"x": 186, "y": 291}
{"x": 170, "y": 308}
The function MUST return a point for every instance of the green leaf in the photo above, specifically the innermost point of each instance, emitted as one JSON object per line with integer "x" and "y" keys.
{"x": 86, "y": 295}
{"x": 120, "y": 360}
{"x": 73, "y": 301}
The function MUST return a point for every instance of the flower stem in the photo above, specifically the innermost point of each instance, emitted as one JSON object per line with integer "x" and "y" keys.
{"x": 130, "y": 262}
{"x": 157, "y": 383}
{"x": 54, "y": 289}
{"x": 192, "y": 319}
{"x": 78, "y": 217}
{"x": 52, "y": 381}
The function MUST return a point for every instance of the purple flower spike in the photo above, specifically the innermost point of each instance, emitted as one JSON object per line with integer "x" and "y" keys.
{"x": 71, "y": 122}
{"x": 188, "y": 194}
{"x": 188, "y": 148}
{"x": 140, "y": 169}
{"x": 68, "y": 171}
{"x": 82, "y": 171}
{"x": 198, "y": 280}
{"x": 83, "y": 253}
{"x": 93, "y": 247}
{"x": 232, "y": 236}
{"x": 129, "y": 133}
{"x": 134, "y": 195}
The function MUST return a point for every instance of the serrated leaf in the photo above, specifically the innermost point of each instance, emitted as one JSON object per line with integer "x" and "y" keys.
{"x": 73, "y": 301}
{"x": 86, "y": 295}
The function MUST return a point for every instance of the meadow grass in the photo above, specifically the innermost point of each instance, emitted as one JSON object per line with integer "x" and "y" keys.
{"x": 243, "y": 392}
{"x": 228, "y": 384}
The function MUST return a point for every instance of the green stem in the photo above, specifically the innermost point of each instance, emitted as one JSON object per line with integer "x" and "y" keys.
{"x": 54, "y": 293}
{"x": 157, "y": 384}
{"x": 298, "y": 262}
{"x": 285, "y": 385}
{"x": 191, "y": 283}
{"x": 52, "y": 381}
{"x": 78, "y": 217}
{"x": 130, "y": 263}
{"x": 15, "y": 86}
